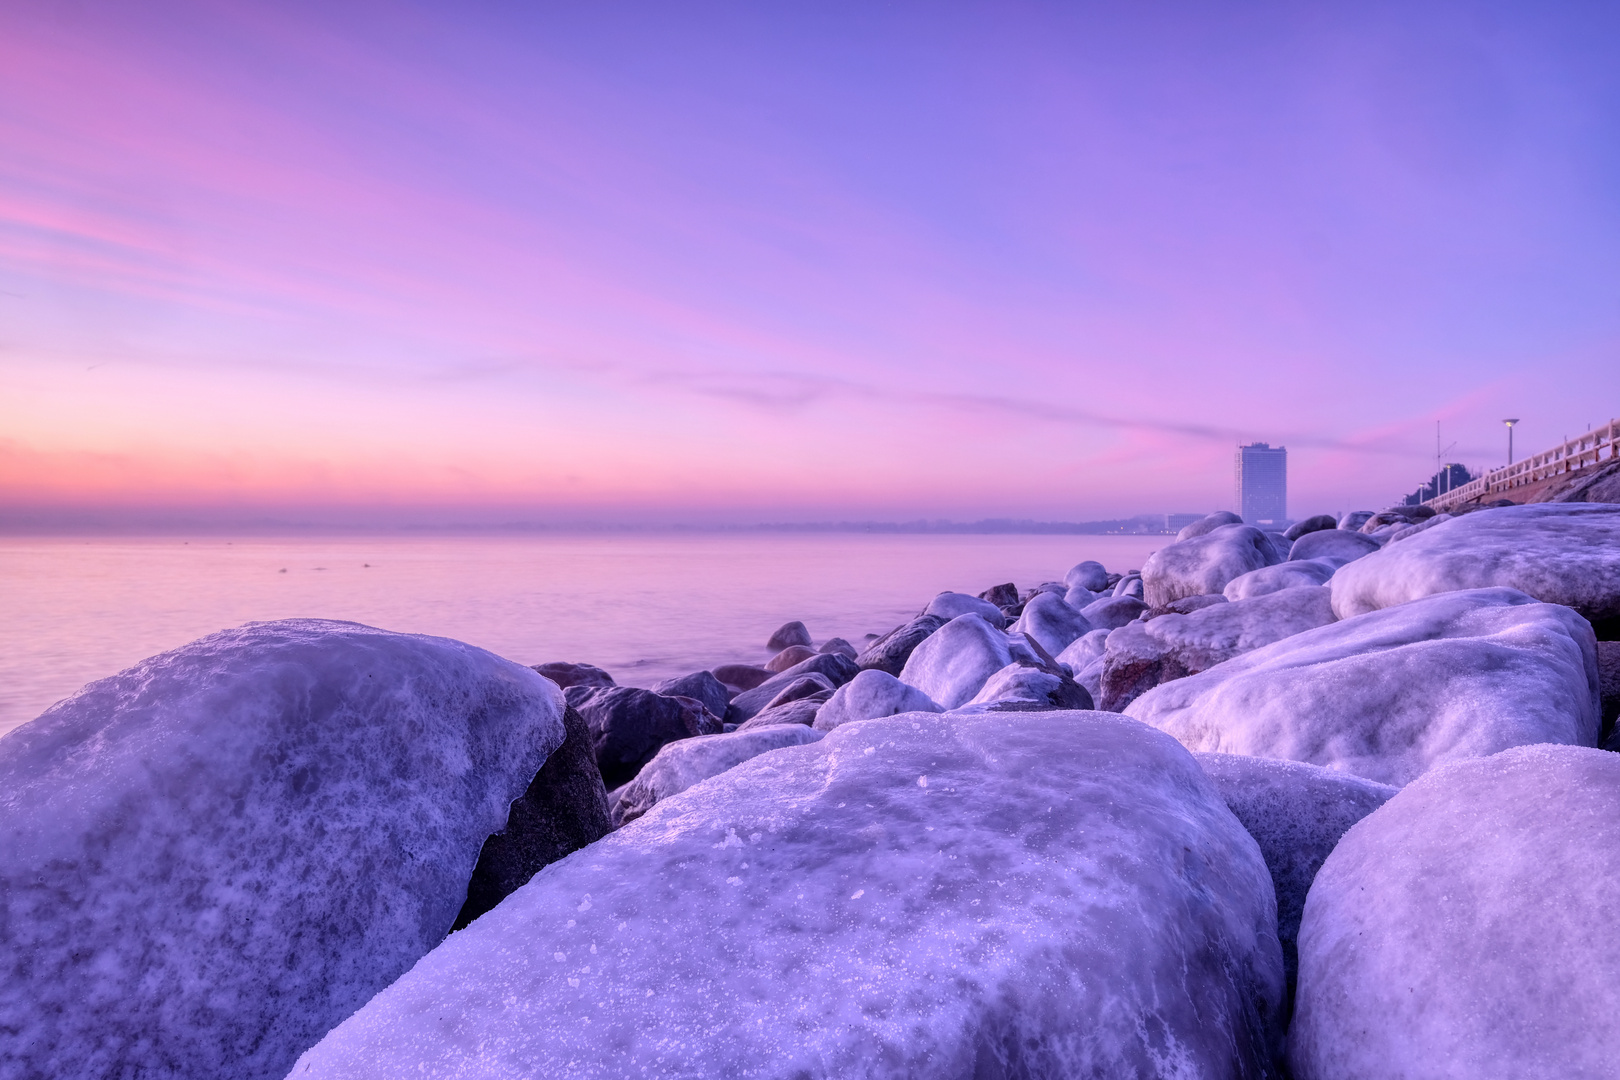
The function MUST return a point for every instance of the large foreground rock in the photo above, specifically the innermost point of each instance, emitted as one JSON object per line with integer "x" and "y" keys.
{"x": 1051, "y": 894}
{"x": 1142, "y": 655}
{"x": 1563, "y": 553}
{"x": 1204, "y": 564}
{"x": 1390, "y": 694}
{"x": 1466, "y": 929}
{"x": 1296, "y": 813}
{"x": 691, "y": 761}
{"x": 628, "y": 725}
{"x": 215, "y": 856}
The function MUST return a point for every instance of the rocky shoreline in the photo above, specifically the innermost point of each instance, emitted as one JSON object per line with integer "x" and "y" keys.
{"x": 1330, "y": 803}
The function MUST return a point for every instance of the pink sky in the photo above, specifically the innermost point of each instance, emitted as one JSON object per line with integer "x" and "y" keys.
{"x": 694, "y": 262}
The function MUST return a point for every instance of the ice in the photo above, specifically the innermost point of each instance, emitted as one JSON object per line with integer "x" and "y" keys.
{"x": 1049, "y": 619}
{"x": 949, "y": 605}
{"x": 1390, "y": 694}
{"x": 1089, "y": 575}
{"x": 951, "y": 664}
{"x": 216, "y": 855}
{"x": 1285, "y": 575}
{"x": 869, "y": 695}
{"x": 1334, "y": 546}
{"x": 1204, "y": 564}
{"x": 1466, "y": 929}
{"x": 1563, "y": 553}
{"x": 681, "y": 764}
{"x": 1016, "y": 894}
{"x": 1019, "y": 687}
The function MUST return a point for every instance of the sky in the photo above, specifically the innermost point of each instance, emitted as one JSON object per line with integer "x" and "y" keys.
{"x": 792, "y": 261}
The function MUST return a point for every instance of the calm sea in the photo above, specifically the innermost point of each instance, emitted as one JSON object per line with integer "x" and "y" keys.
{"x": 645, "y": 607}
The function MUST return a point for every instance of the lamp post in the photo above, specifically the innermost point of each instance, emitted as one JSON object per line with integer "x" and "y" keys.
{"x": 1510, "y": 424}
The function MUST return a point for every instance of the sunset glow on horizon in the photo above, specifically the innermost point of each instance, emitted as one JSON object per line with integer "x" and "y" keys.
{"x": 729, "y": 263}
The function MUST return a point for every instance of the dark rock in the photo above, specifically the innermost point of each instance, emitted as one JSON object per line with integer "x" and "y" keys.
{"x": 1353, "y": 521}
{"x": 700, "y": 685}
{"x": 891, "y": 651}
{"x": 801, "y": 687}
{"x": 1608, "y": 664}
{"x": 1296, "y": 813}
{"x": 1001, "y": 595}
{"x": 798, "y": 711}
{"x": 629, "y": 725}
{"x": 838, "y": 670}
{"x": 840, "y": 646}
{"x": 793, "y": 633}
{"x": 565, "y": 808}
{"x": 793, "y": 654}
{"x": 1310, "y": 525}
{"x": 565, "y": 674}
{"x": 1019, "y": 688}
{"x": 742, "y": 676}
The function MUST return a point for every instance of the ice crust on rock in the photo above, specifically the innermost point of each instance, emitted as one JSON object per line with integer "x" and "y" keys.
{"x": 681, "y": 764}
{"x": 1014, "y": 894}
{"x": 1205, "y": 563}
{"x": 1019, "y": 687}
{"x": 1466, "y": 929}
{"x": 949, "y": 605}
{"x": 1562, "y": 553}
{"x": 1142, "y": 655}
{"x": 1050, "y": 620}
{"x": 1335, "y": 545}
{"x": 1208, "y": 524}
{"x": 1113, "y": 611}
{"x": 215, "y": 856}
{"x": 1293, "y": 574}
{"x": 1390, "y": 694}
{"x": 956, "y": 660}
{"x": 1089, "y": 575}
{"x": 1296, "y": 813}
{"x": 836, "y": 668}
{"x": 870, "y": 695}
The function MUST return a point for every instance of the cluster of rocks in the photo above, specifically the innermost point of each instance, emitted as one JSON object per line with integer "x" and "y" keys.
{"x": 1332, "y": 802}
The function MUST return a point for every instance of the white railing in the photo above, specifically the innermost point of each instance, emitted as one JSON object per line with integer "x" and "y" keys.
{"x": 1599, "y": 444}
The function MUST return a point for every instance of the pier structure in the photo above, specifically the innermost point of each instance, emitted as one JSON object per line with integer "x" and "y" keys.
{"x": 1595, "y": 447}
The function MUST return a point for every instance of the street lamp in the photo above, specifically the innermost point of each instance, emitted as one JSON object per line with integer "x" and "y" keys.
{"x": 1510, "y": 424}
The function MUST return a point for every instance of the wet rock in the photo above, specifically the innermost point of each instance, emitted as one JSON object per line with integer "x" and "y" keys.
{"x": 700, "y": 685}
{"x": 788, "y": 634}
{"x": 741, "y": 676}
{"x": 680, "y": 765}
{"x": 840, "y": 646}
{"x": 793, "y": 654}
{"x": 565, "y": 674}
{"x": 1355, "y": 519}
{"x": 890, "y": 652}
{"x": 629, "y": 725}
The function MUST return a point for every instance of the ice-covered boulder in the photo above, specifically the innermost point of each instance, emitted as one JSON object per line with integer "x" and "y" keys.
{"x": 1296, "y": 813}
{"x": 1019, "y": 688}
{"x": 1014, "y": 894}
{"x": 835, "y": 668}
{"x": 1113, "y": 611}
{"x": 891, "y": 651}
{"x": 1208, "y": 524}
{"x": 1050, "y": 620}
{"x": 1186, "y": 605}
{"x": 566, "y": 674}
{"x": 1084, "y": 649}
{"x": 628, "y": 725}
{"x": 954, "y": 662}
{"x": 870, "y": 695}
{"x": 788, "y": 657}
{"x": 1337, "y": 546}
{"x": 1466, "y": 929}
{"x": 1562, "y": 553}
{"x": 788, "y": 635}
{"x": 1355, "y": 519}
{"x": 701, "y": 686}
{"x": 1087, "y": 575}
{"x": 948, "y": 605}
{"x": 1284, "y": 575}
{"x": 1417, "y": 527}
{"x": 1310, "y": 525}
{"x": 564, "y": 808}
{"x": 1204, "y": 564}
{"x": 681, "y": 764}
{"x": 1142, "y": 655}
{"x": 1129, "y": 586}
{"x": 1391, "y": 694}
{"x": 215, "y": 856}
{"x": 1078, "y": 597}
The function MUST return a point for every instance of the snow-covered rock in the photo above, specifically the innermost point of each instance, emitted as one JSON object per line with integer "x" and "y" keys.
{"x": 1113, "y": 611}
{"x": 1129, "y": 586}
{"x": 1562, "y": 553}
{"x": 837, "y": 670}
{"x": 1077, "y": 597}
{"x": 1310, "y": 525}
{"x": 1336, "y": 546}
{"x": 1208, "y": 524}
{"x": 953, "y": 663}
{"x": 1204, "y": 564}
{"x": 1084, "y": 649}
{"x": 1018, "y": 687}
{"x": 1296, "y": 813}
{"x": 1417, "y": 527}
{"x": 1088, "y": 575}
{"x": 1391, "y": 694}
{"x": 1292, "y": 574}
{"x": 1015, "y": 894}
{"x": 1142, "y": 655}
{"x": 628, "y": 725}
{"x": 1355, "y": 519}
{"x": 1466, "y": 928}
{"x": 681, "y": 764}
{"x": 870, "y": 695}
{"x": 1050, "y": 620}
{"x": 788, "y": 635}
{"x": 215, "y": 856}
{"x": 891, "y": 651}
{"x": 701, "y": 686}
{"x": 948, "y": 605}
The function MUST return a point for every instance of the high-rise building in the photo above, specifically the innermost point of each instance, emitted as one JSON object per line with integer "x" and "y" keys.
{"x": 1262, "y": 484}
